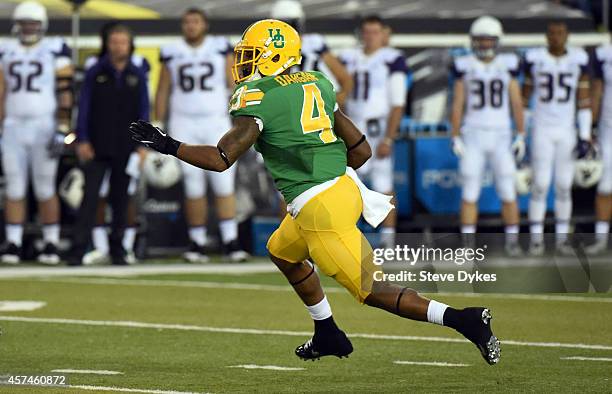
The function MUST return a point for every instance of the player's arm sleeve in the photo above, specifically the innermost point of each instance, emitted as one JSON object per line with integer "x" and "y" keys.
{"x": 597, "y": 65}
{"x": 165, "y": 55}
{"x": 82, "y": 129}
{"x": 249, "y": 102}
{"x": 398, "y": 72}
{"x": 321, "y": 47}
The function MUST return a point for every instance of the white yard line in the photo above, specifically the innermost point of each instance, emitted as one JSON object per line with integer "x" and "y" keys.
{"x": 268, "y": 367}
{"x": 88, "y": 371}
{"x": 126, "y": 390}
{"x": 254, "y": 331}
{"x": 431, "y": 363}
{"x": 580, "y": 358}
{"x": 255, "y": 286}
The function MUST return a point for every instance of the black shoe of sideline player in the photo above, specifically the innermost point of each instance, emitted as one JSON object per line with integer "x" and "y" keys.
{"x": 334, "y": 343}
{"x": 476, "y": 326}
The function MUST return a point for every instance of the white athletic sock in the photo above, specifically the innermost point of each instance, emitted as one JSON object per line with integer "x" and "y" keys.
{"x": 99, "y": 236}
{"x": 468, "y": 228}
{"x": 198, "y": 235}
{"x": 512, "y": 232}
{"x": 537, "y": 232}
{"x": 561, "y": 230}
{"x": 229, "y": 230}
{"x": 435, "y": 312}
{"x": 51, "y": 233}
{"x": 563, "y": 209}
{"x": 129, "y": 236}
{"x": 320, "y": 311}
{"x": 14, "y": 233}
{"x": 602, "y": 229}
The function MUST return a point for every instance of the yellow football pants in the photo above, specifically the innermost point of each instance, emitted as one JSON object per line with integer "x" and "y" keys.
{"x": 326, "y": 231}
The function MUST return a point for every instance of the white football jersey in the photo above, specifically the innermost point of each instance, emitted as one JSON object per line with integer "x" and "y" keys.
{"x": 555, "y": 84}
{"x": 313, "y": 49}
{"x": 371, "y": 95}
{"x": 487, "y": 98}
{"x": 199, "y": 80}
{"x": 29, "y": 75}
{"x": 602, "y": 69}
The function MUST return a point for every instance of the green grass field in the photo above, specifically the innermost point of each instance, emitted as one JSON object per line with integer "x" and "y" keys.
{"x": 196, "y": 332}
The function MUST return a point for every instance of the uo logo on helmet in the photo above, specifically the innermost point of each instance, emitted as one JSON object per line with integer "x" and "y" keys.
{"x": 277, "y": 38}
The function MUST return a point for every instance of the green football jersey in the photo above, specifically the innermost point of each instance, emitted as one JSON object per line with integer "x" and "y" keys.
{"x": 297, "y": 141}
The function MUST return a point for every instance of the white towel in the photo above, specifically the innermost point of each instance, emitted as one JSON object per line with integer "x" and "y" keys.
{"x": 376, "y": 206}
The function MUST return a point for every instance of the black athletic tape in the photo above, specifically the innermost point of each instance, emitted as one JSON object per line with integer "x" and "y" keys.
{"x": 304, "y": 278}
{"x": 399, "y": 297}
{"x": 224, "y": 157}
{"x": 361, "y": 141}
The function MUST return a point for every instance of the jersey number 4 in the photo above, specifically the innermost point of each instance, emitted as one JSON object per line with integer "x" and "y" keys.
{"x": 314, "y": 119}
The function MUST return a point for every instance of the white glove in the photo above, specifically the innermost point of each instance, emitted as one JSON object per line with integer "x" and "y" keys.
{"x": 458, "y": 146}
{"x": 518, "y": 148}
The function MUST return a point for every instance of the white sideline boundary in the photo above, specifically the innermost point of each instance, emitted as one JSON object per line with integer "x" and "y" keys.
{"x": 87, "y": 371}
{"x": 260, "y": 287}
{"x": 139, "y": 269}
{"x": 125, "y": 389}
{"x": 580, "y": 358}
{"x": 254, "y": 331}
{"x": 267, "y": 367}
{"x": 431, "y": 363}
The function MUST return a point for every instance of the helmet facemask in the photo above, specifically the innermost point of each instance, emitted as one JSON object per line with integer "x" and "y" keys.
{"x": 485, "y": 47}
{"x": 28, "y": 31}
{"x": 245, "y": 62}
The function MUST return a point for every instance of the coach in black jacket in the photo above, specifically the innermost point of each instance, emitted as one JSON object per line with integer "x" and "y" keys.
{"x": 113, "y": 95}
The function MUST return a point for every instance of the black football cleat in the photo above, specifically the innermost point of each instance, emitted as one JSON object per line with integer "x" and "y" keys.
{"x": 477, "y": 328}
{"x": 335, "y": 344}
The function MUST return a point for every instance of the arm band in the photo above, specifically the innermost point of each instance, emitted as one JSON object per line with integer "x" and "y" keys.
{"x": 224, "y": 157}
{"x": 361, "y": 141}
{"x": 585, "y": 122}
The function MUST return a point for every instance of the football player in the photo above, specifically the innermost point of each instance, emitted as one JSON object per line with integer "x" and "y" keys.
{"x": 35, "y": 104}
{"x": 376, "y": 105}
{"x": 486, "y": 96}
{"x": 602, "y": 113}
{"x": 307, "y": 143}
{"x": 557, "y": 76}
{"x": 193, "y": 87}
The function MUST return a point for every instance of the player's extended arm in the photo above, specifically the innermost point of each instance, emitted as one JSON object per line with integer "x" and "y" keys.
{"x": 218, "y": 158}
{"x": 596, "y": 95}
{"x": 516, "y": 103}
{"x": 162, "y": 95}
{"x": 457, "y": 107}
{"x": 341, "y": 74}
{"x": 527, "y": 90}
{"x": 65, "y": 97}
{"x": 584, "y": 115}
{"x": 358, "y": 149}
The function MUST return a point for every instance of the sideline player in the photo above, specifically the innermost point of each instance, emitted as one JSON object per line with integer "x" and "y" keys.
{"x": 192, "y": 91}
{"x": 486, "y": 96}
{"x": 376, "y": 105}
{"x": 558, "y": 78}
{"x": 35, "y": 103}
{"x": 602, "y": 113}
{"x": 307, "y": 142}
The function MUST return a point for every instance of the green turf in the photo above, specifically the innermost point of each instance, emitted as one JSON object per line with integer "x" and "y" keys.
{"x": 199, "y": 361}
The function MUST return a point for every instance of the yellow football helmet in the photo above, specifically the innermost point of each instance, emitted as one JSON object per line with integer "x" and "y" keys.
{"x": 269, "y": 47}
